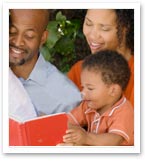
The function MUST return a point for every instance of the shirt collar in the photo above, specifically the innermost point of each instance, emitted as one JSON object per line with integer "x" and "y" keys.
{"x": 39, "y": 71}
{"x": 117, "y": 105}
{"x": 110, "y": 111}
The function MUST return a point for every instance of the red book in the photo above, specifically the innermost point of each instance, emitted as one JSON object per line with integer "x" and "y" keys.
{"x": 46, "y": 130}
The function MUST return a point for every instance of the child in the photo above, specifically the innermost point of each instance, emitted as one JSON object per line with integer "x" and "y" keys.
{"x": 106, "y": 113}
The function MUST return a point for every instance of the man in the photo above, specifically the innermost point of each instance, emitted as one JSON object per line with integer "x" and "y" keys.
{"x": 50, "y": 91}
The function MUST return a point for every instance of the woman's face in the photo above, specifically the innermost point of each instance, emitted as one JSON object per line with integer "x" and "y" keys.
{"x": 100, "y": 29}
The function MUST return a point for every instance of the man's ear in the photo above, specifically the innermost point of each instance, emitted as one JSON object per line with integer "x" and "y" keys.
{"x": 114, "y": 90}
{"x": 44, "y": 37}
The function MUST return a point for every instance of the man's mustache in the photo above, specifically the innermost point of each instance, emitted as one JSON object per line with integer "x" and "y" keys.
{"x": 17, "y": 48}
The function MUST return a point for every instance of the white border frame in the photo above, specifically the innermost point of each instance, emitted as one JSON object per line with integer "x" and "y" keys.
{"x": 69, "y": 149}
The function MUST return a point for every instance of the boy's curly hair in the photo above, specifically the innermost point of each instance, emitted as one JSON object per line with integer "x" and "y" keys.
{"x": 112, "y": 65}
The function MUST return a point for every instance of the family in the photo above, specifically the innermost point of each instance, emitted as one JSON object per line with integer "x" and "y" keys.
{"x": 97, "y": 93}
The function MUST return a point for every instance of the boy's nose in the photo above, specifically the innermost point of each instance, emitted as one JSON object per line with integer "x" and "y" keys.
{"x": 83, "y": 95}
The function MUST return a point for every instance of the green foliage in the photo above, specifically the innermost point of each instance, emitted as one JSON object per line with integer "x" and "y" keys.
{"x": 60, "y": 46}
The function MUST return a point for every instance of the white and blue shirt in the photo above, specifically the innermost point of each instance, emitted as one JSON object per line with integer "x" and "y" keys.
{"x": 50, "y": 90}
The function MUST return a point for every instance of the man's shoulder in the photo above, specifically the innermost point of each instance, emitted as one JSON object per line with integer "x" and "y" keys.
{"x": 55, "y": 75}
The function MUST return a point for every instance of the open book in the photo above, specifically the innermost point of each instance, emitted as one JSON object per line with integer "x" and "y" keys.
{"x": 46, "y": 130}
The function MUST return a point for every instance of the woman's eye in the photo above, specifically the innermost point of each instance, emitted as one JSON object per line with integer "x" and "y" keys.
{"x": 88, "y": 24}
{"x": 105, "y": 29}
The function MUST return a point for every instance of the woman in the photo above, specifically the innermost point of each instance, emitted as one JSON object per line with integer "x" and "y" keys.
{"x": 111, "y": 29}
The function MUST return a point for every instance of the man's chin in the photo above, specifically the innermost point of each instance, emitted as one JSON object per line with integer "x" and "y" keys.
{"x": 17, "y": 63}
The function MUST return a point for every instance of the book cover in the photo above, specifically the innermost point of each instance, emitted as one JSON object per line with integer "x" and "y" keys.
{"x": 46, "y": 130}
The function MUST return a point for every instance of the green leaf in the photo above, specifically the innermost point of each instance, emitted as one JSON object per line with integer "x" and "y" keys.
{"x": 60, "y": 17}
{"x": 64, "y": 46}
{"x": 53, "y": 34}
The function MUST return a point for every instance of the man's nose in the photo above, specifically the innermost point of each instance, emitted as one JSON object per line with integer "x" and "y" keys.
{"x": 18, "y": 40}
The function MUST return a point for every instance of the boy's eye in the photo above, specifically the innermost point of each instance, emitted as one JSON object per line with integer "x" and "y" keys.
{"x": 90, "y": 89}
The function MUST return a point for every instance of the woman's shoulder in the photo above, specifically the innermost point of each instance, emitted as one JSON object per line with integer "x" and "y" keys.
{"x": 131, "y": 62}
{"x": 76, "y": 68}
{"x": 77, "y": 64}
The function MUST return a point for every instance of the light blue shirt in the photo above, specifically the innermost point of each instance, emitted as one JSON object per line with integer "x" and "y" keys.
{"x": 50, "y": 90}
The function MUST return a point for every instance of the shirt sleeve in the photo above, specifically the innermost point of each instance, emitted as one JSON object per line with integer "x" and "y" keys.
{"x": 122, "y": 123}
{"x": 77, "y": 115}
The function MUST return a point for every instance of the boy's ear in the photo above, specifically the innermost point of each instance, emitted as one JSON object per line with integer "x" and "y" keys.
{"x": 114, "y": 90}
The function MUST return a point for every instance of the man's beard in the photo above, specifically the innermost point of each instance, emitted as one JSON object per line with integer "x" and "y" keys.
{"x": 17, "y": 64}
{"x": 21, "y": 62}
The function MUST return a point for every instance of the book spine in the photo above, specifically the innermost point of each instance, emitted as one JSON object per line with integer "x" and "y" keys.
{"x": 24, "y": 139}
{"x": 17, "y": 133}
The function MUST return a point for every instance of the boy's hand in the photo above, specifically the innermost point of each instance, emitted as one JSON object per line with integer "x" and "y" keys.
{"x": 75, "y": 135}
{"x": 65, "y": 144}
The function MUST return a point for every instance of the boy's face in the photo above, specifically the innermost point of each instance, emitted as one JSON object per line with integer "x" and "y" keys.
{"x": 95, "y": 91}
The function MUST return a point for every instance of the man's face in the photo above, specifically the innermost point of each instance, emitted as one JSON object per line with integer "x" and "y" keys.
{"x": 26, "y": 35}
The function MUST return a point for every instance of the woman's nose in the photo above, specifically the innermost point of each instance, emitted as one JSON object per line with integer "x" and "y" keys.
{"x": 95, "y": 33}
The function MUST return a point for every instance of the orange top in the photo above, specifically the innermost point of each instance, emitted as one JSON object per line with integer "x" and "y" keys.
{"x": 75, "y": 72}
{"x": 129, "y": 91}
{"x": 118, "y": 120}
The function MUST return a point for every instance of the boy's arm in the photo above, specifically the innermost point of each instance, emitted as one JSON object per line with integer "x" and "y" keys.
{"x": 79, "y": 136}
{"x": 105, "y": 139}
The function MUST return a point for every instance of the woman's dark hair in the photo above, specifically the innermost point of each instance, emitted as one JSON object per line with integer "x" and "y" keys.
{"x": 113, "y": 67}
{"x": 125, "y": 19}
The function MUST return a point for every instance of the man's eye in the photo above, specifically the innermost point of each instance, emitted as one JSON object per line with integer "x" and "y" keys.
{"x": 12, "y": 34}
{"x": 29, "y": 36}
{"x": 12, "y": 31}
